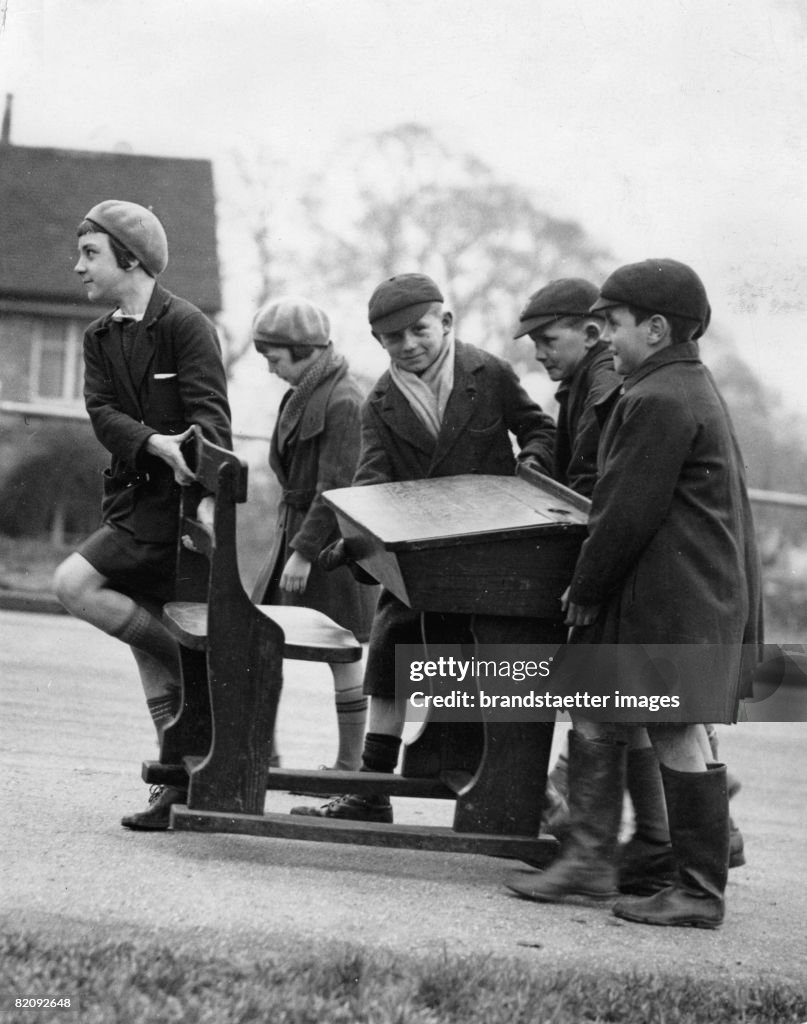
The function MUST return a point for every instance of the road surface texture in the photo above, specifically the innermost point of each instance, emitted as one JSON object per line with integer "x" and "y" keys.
{"x": 75, "y": 730}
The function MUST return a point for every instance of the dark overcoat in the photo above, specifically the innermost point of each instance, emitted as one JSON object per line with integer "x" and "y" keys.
{"x": 175, "y": 377}
{"x": 322, "y": 454}
{"x": 486, "y": 408}
{"x": 671, "y": 556}
{"x": 578, "y": 429}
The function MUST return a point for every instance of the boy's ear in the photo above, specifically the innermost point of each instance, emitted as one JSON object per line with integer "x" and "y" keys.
{"x": 658, "y": 329}
{"x": 593, "y": 330}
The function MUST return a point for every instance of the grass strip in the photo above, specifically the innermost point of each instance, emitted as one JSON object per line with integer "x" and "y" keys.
{"x": 145, "y": 981}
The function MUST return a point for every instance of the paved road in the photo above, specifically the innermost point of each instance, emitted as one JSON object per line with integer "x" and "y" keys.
{"x": 74, "y": 732}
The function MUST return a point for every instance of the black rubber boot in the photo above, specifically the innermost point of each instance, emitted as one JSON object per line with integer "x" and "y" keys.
{"x": 586, "y": 865}
{"x": 698, "y": 812}
{"x": 646, "y": 861}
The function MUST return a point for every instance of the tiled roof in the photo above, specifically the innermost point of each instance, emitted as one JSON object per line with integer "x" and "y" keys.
{"x": 44, "y": 193}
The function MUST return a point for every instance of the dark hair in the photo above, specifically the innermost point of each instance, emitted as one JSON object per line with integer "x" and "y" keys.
{"x": 123, "y": 256}
{"x": 681, "y": 327}
{"x": 300, "y": 351}
{"x": 297, "y": 350}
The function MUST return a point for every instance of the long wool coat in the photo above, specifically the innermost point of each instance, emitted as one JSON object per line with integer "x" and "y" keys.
{"x": 671, "y": 556}
{"x": 321, "y": 454}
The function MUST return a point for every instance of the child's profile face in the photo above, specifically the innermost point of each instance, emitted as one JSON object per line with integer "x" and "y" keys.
{"x": 560, "y": 349}
{"x": 98, "y": 269}
{"x": 416, "y": 348}
{"x": 627, "y": 340}
{"x": 279, "y": 361}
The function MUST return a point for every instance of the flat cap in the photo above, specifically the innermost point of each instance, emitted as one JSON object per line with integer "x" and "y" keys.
{"x": 568, "y": 296}
{"x": 293, "y": 320}
{"x": 136, "y": 228}
{"x": 401, "y": 300}
{"x": 659, "y": 286}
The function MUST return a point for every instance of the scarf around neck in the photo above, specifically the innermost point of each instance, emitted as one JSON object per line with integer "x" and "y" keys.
{"x": 293, "y": 409}
{"x": 428, "y": 393}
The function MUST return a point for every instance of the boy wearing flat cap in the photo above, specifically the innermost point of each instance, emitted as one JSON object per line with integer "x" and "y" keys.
{"x": 442, "y": 409}
{"x": 568, "y": 346}
{"x": 152, "y": 368}
{"x": 670, "y": 558}
{"x": 314, "y": 448}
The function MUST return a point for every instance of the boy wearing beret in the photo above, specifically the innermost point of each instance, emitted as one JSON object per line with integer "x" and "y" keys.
{"x": 670, "y": 559}
{"x": 443, "y": 408}
{"x": 152, "y": 368}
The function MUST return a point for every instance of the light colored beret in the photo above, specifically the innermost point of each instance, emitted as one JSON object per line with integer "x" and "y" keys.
{"x": 136, "y": 228}
{"x": 291, "y": 319}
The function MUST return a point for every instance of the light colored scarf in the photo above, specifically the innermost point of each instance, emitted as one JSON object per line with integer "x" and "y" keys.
{"x": 428, "y": 392}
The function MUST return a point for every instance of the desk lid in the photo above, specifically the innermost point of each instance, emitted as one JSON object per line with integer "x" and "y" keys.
{"x": 416, "y": 514}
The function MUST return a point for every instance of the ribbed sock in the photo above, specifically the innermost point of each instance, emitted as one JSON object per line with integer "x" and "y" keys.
{"x": 148, "y": 634}
{"x": 351, "y": 719}
{"x": 380, "y": 752}
{"x": 163, "y": 709}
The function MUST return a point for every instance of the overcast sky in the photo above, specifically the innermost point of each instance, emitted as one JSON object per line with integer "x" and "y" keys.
{"x": 667, "y": 128}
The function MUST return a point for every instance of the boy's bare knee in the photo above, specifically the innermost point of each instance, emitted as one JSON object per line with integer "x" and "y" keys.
{"x": 74, "y": 581}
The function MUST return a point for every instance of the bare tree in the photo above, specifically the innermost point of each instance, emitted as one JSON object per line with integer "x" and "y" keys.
{"x": 399, "y": 201}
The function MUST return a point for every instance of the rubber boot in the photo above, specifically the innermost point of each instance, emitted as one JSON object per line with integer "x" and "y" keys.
{"x": 646, "y": 861}
{"x": 698, "y": 811}
{"x": 586, "y": 865}
{"x": 733, "y": 785}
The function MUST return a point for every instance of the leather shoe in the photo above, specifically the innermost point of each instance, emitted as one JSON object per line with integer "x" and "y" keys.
{"x": 352, "y": 807}
{"x": 157, "y": 816}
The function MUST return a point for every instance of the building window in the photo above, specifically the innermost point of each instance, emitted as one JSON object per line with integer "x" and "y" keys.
{"x": 56, "y": 364}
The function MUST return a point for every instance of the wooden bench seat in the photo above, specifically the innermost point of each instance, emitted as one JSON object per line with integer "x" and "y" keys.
{"x": 308, "y": 635}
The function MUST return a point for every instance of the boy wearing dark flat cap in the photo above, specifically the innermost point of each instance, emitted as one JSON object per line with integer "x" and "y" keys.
{"x": 152, "y": 368}
{"x": 443, "y": 408}
{"x": 670, "y": 558}
{"x": 569, "y": 347}
{"x": 568, "y": 344}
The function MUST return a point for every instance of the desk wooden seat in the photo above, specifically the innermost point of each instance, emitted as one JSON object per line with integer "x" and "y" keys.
{"x": 308, "y": 635}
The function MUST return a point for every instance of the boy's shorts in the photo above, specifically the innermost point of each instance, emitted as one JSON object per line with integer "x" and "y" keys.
{"x": 141, "y": 569}
{"x": 395, "y": 623}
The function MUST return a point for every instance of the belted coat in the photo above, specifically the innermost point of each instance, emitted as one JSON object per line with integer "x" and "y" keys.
{"x": 321, "y": 454}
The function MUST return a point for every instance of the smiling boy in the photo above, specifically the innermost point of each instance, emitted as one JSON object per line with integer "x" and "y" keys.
{"x": 443, "y": 408}
{"x": 152, "y": 368}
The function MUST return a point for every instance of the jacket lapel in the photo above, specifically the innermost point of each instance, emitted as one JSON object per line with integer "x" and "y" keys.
{"x": 108, "y": 339}
{"x": 399, "y": 417}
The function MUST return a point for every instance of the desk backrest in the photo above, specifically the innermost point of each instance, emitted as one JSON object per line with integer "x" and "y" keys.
{"x": 213, "y": 567}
